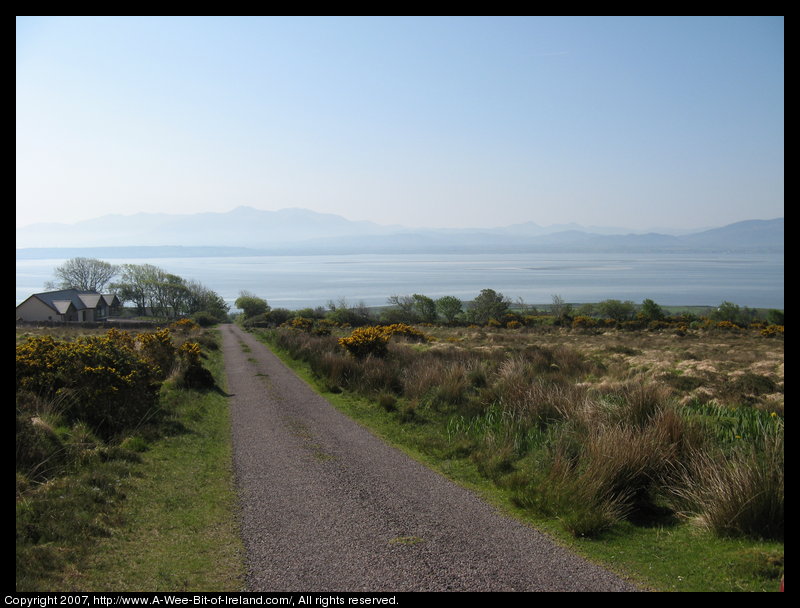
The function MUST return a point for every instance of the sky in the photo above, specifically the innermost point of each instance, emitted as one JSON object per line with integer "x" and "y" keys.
{"x": 639, "y": 122}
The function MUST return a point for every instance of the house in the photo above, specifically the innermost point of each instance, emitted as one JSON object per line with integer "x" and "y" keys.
{"x": 68, "y": 305}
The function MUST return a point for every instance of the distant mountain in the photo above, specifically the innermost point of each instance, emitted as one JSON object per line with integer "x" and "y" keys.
{"x": 242, "y": 227}
{"x": 751, "y": 235}
{"x": 248, "y": 231}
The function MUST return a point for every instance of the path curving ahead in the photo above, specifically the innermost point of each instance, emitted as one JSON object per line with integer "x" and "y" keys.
{"x": 328, "y": 507}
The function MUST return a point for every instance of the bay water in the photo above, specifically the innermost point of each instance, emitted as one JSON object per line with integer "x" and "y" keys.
{"x": 754, "y": 280}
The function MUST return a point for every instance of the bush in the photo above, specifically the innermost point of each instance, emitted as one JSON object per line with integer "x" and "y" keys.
{"x": 192, "y": 374}
{"x": 104, "y": 382}
{"x": 259, "y": 320}
{"x": 301, "y": 323}
{"x": 366, "y": 341}
{"x": 205, "y": 319}
{"x": 581, "y": 322}
{"x": 772, "y": 330}
{"x": 373, "y": 340}
{"x": 157, "y": 348}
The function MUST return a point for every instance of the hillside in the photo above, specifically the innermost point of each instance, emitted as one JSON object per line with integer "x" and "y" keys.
{"x": 248, "y": 231}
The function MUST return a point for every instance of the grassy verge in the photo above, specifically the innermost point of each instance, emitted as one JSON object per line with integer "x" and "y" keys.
{"x": 168, "y": 515}
{"x": 673, "y": 555}
{"x": 180, "y": 531}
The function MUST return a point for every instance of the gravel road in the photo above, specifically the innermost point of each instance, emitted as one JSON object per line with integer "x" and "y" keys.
{"x": 328, "y": 507}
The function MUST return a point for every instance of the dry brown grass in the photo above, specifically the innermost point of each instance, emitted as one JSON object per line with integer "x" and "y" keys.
{"x": 700, "y": 365}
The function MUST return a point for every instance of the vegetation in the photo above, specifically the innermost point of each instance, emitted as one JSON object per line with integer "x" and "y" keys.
{"x": 642, "y": 435}
{"x": 251, "y": 305}
{"x": 101, "y": 421}
{"x": 644, "y": 427}
{"x": 85, "y": 274}
{"x": 161, "y": 294}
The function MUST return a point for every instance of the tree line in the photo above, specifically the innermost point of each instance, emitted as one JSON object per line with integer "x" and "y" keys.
{"x": 488, "y": 307}
{"x": 152, "y": 290}
{"x": 156, "y": 292}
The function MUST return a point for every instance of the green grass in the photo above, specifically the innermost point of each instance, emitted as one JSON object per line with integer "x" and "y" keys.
{"x": 675, "y": 556}
{"x": 174, "y": 523}
{"x": 181, "y": 526}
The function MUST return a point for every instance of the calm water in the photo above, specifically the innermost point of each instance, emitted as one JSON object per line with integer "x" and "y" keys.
{"x": 301, "y": 281}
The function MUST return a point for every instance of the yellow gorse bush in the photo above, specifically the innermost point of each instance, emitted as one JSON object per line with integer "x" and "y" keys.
{"x": 365, "y": 341}
{"x": 373, "y": 340}
{"x": 109, "y": 382}
{"x": 772, "y": 330}
{"x": 184, "y": 325}
{"x": 157, "y": 348}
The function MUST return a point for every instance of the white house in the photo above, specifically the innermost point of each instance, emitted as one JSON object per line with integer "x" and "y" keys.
{"x": 68, "y": 305}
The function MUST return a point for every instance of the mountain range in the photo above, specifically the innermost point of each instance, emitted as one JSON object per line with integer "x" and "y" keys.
{"x": 249, "y": 231}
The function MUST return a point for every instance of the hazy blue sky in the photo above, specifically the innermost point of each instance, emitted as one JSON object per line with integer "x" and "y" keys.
{"x": 640, "y": 122}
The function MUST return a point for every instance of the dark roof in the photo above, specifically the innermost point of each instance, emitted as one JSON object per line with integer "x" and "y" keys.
{"x": 51, "y": 298}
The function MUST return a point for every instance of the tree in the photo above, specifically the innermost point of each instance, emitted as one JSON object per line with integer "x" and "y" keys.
{"x": 84, "y": 274}
{"x": 651, "y": 311}
{"x": 449, "y": 307}
{"x": 201, "y": 299}
{"x": 171, "y": 294}
{"x": 160, "y": 293}
{"x": 425, "y": 308}
{"x": 775, "y": 317}
{"x": 616, "y": 310}
{"x": 251, "y": 304}
{"x": 346, "y": 314}
{"x": 136, "y": 285}
{"x": 560, "y": 309}
{"x": 488, "y": 305}
{"x": 401, "y": 311}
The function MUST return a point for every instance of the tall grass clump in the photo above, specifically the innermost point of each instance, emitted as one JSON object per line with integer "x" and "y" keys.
{"x": 737, "y": 492}
{"x": 607, "y": 460}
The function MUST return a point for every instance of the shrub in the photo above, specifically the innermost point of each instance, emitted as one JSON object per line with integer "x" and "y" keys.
{"x": 365, "y": 341}
{"x": 259, "y": 320}
{"x": 323, "y": 327}
{"x": 157, "y": 348}
{"x": 183, "y": 325}
{"x": 205, "y": 319}
{"x": 192, "y": 374}
{"x": 373, "y": 340}
{"x": 772, "y": 330}
{"x": 404, "y": 330}
{"x": 775, "y": 317}
{"x": 581, "y": 322}
{"x": 301, "y": 323}
{"x": 102, "y": 381}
